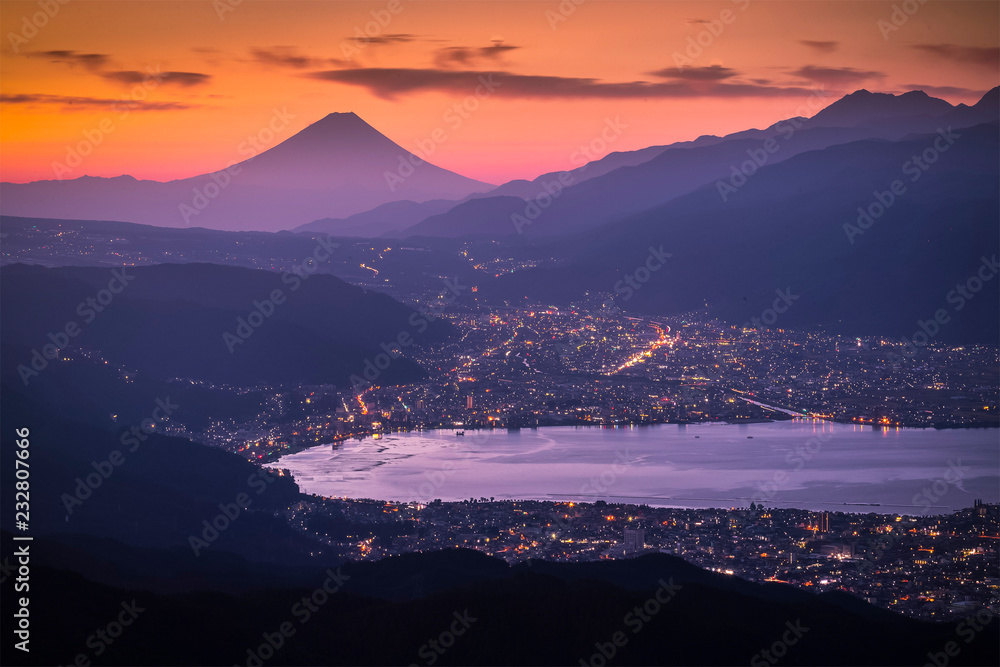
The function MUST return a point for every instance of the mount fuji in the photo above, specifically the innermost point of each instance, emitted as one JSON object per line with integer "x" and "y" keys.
{"x": 336, "y": 167}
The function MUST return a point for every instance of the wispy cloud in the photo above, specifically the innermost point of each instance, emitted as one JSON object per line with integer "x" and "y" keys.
{"x": 185, "y": 79}
{"x": 92, "y": 61}
{"x": 391, "y": 38}
{"x": 711, "y": 73}
{"x": 390, "y": 83}
{"x": 820, "y": 46}
{"x": 289, "y": 56}
{"x": 71, "y": 103}
{"x": 986, "y": 56}
{"x": 946, "y": 90}
{"x": 836, "y": 77}
{"x": 466, "y": 56}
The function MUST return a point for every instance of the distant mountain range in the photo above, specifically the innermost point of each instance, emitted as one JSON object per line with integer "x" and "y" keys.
{"x": 796, "y": 226}
{"x": 338, "y": 166}
{"x": 742, "y": 216}
{"x": 586, "y": 199}
{"x": 341, "y": 176}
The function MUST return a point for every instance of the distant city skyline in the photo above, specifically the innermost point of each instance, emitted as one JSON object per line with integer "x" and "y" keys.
{"x": 533, "y": 81}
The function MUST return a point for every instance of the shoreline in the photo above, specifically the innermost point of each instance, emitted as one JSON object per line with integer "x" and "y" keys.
{"x": 295, "y": 449}
{"x": 319, "y": 471}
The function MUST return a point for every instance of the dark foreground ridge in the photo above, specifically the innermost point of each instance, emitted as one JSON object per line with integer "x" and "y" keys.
{"x": 461, "y": 607}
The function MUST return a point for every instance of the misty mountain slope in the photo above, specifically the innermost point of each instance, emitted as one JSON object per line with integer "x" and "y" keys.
{"x": 621, "y": 192}
{"x": 628, "y": 190}
{"x": 170, "y": 319}
{"x": 392, "y": 218}
{"x": 489, "y": 217}
{"x": 389, "y": 217}
{"x": 785, "y": 229}
{"x": 335, "y": 167}
{"x": 530, "y": 189}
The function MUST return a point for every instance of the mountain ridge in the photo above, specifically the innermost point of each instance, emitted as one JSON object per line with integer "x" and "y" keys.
{"x": 337, "y": 166}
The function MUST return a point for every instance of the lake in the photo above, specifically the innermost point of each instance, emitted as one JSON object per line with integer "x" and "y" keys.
{"x": 809, "y": 464}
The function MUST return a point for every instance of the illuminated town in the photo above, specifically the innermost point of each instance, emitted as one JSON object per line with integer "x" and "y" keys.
{"x": 527, "y": 368}
{"x": 931, "y": 567}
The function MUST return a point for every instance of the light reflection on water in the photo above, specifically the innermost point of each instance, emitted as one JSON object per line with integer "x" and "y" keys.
{"x": 811, "y": 464}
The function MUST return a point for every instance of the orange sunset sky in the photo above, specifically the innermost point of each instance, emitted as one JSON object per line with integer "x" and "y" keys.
{"x": 225, "y": 65}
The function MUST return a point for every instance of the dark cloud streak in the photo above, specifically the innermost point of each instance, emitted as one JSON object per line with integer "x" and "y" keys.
{"x": 836, "y": 77}
{"x": 986, "y": 56}
{"x": 288, "y": 56}
{"x": 185, "y": 79}
{"x": 946, "y": 90}
{"x": 821, "y": 46}
{"x": 391, "y": 38}
{"x": 71, "y": 103}
{"x": 92, "y": 61}
{"x": 712, "y": 73}
{"x": 466, "y": 55}
{"x": 389, "y": 83}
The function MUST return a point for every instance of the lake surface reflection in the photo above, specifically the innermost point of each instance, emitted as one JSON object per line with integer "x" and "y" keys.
{"x": 809, "y": 464}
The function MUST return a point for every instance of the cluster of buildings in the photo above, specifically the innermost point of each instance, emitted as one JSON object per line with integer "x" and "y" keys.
{"x": 931, "y": 567}
{"x": 522, "y": 368}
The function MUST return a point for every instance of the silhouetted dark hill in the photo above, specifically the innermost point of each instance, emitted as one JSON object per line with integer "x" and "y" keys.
{"x": 784, "y": 229}
{"x": 863, "y": 107}
{"x": 196, "y": 321}
{"x": 670, "y": 618}
{"x": 155, "y": 492}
